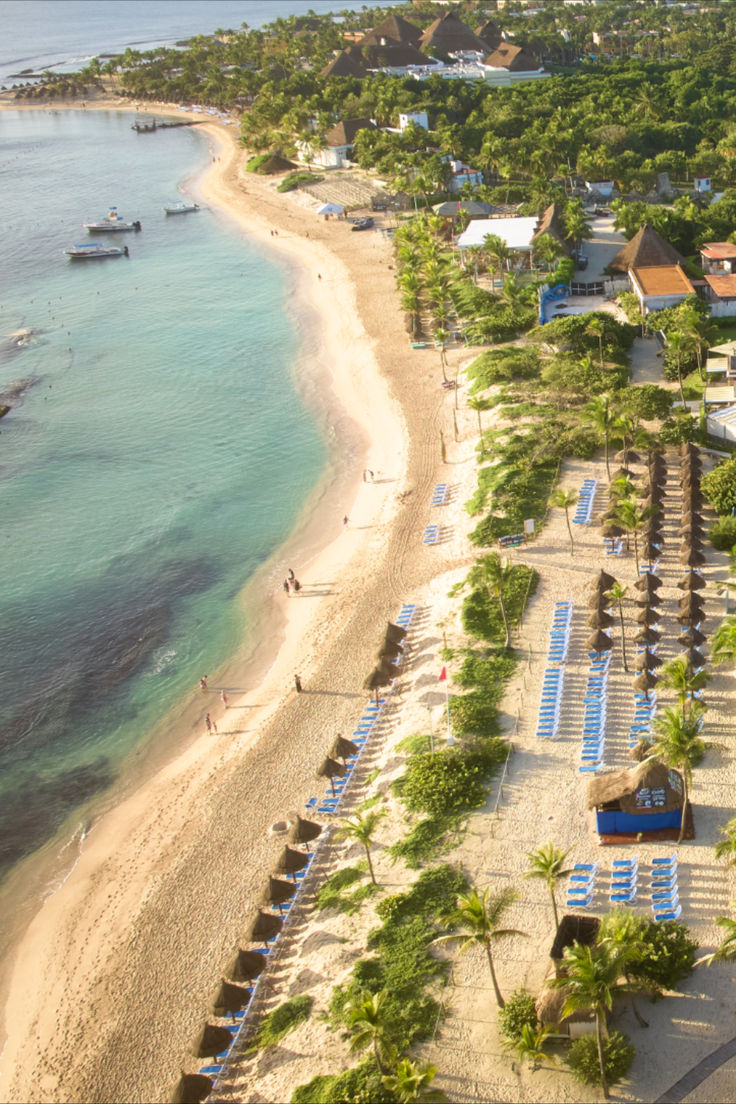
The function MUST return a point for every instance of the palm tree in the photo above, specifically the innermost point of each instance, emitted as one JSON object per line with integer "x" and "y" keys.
{"x": 678, "y": 675}
{"x": 478, "y": 404}
{"x": 677, "y": 744}
{"x": 597, "y": 328}
{"x": 361, "y": 828}
{"x": 676, "y": 343}
{"x": 617, "y": 594}
{"x": 624, "y": 930}
{"x": 565, "y": 499}
{"x": 632, "y": 518}
{"x": 497, "y": 251}
{"x": 530, "y": 1045}
{"x": 727, "y": 950}
{"x": 593, "y": 975}
{"x": 726, "y": 848}
{"x": 490, "y": 574}
{"x": 723, "y": 644}
{"x": 600, "y": 413}
{"x": 369, "y": 1027}
{"x": 478, "y": 920}
{"x": 547, "y": 863}
{"x": 410, "y": 1083}
{"x": 547, "y": 249}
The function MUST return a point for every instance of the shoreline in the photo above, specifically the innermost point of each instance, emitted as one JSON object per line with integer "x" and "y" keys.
{"x": 139, "y": 844}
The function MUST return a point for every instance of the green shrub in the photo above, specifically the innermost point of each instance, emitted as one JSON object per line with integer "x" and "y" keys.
{"x": 294, "y": 179}
{"x": 489, "y": 671}
{"x": 442, "y": 783}
{"x": 520, "y": 1012}
{"x": 474, "y": 713}
{"x": 360, "y": 1085}
{"x": 481, "y": 611}
{"x": 668, "y": 954}
{"x": 618, "y": 1054}
{"x": 502, "y": 366}
{"x": 332, "y": 892}
{"x": 649, "y": 401}
{"x": 427, "y": 839}
{"x": 723, "y": 534}
{"x": 677, "y": 430}
{"x": 281, "y": 1021}
{"x": 254, "y": 164}
{"x": 719, "y": 487}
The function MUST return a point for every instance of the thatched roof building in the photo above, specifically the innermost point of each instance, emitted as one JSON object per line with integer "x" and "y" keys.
{"x": 392, "y": 31}
{"x": 646, "y": 798}
{"x": 515, "y": 59}
{"x": 551, "y": 223}
{"x": 574, "y": 928}
{"x": 550, "y": 1003}
{"x": 348, "y": 63}
{"x": 449, "y": 35}
{"x": 647, "y": 249}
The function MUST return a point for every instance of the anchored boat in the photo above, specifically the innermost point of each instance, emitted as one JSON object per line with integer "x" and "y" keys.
{"x": 112, "y": 222}
{"x": 96, "y": 249}
{"x": 180, "y": 208}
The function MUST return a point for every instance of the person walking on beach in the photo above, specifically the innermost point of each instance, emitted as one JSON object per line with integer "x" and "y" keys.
{"x": 223, "y": 698}
{"x": 298, "y": 684}
{"x": 345, "y": 521}
{"x": 285, "y": 585}
{"x": 291, "y": 573}
{"x": 209, "y": 723}
{"x": 297, "y": 585}
{"x": 203, "y": 682}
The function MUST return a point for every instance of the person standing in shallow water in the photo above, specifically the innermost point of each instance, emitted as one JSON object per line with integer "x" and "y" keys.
{"x": 203, "y": 682}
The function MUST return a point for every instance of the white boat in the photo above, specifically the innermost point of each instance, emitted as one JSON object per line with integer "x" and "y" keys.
{"x": 95, "y": 249}
{"x": 180, "y": 208}
{"x": 112, "y": 222}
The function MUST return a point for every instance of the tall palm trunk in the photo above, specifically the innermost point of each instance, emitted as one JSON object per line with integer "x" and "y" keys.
{"x": 601, "y": 1056}
{"x": 569, "y": 530}
{"x": 636, "y": 550}
{"x": 608, "y": 465}
{"x": 370, "y": 863}
{"x": 554, "y": 906}
{"x": 499, "y": 999}
{"x": 379, "y": 1061}
{"x": 685, "y": 799}
{"x": 507, "y": 643}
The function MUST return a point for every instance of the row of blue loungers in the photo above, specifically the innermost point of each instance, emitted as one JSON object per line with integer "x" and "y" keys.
{"x": 325, "y": 806}
{"x": 624, "y": 884}
{"x": 554, "y": 676}
{"x": 584, "y": 508}
{"x": 595, "y": 704}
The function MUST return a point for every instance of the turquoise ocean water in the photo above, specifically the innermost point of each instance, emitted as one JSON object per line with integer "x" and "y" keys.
{"x": 159, "y": 450}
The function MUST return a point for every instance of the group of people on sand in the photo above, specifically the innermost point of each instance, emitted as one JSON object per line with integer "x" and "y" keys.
{"x": 291, "y": 583}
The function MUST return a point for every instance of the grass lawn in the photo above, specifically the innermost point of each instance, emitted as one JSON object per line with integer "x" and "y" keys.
{"x": 693, "y": 385}
{"x": 726, "y": 329}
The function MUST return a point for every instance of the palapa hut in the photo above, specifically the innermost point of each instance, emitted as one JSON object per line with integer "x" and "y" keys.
{"x": 643, "y": 799}
{"x": 277, "y": 892}
{"x": 264, "y": 926}
{"x": 291, "y": 861}
{"x": 231, "y": 998}
{"x": 574, "y": 928}
{"x": 550, "y": 1003}
{"x": 211, "y": 1041}
{"x": 304, "y": 831}
{"x": 246, "y": 966}
{"x": 647, "y": 249}
{"x": 193, "y": 1088}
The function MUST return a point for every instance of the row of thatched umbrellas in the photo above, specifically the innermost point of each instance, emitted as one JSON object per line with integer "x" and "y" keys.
{"x": 248, "y": 965}
{"x": 691, "y": 611}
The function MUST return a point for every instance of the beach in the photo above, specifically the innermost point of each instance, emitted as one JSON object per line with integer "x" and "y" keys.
{"x": 115, "y": 973}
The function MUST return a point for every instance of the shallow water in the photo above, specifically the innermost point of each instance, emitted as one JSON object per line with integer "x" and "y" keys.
{"x": 158, "y": 453}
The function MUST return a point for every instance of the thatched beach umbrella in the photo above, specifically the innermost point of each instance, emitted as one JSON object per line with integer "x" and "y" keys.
{"x": 627, "y": 456}
{"x": 648, "y": 581}
{"x": 690, "y": 601}
{"x": 377, "y": 678}
{"x": 647, "y": 598}
{"x": 331, "y": 769}
{"x": 641, "y": 750}
{"x": 692, "y": 499}
{"x": 687, "y": 448}
{"x": 646, "y": 681}
{"x": 695, "y": 658}
{"x": 647, "y": 635}
{"x": 650, "y": 550}
{"x": 690, "y": 617}
{"x": 246, "y": 966}
{"x": 211, "y": 1041}
{"x": 389, "y": 652}
{"x": 343, "y": 748}
{"x": 647, "y": 616}
{"x": 394, "y": 633}
{"x": 611, "y": 530}
{"x": 691, "y": 637}
{"x": 231, "y": 998}
{"x": 599, "y": 642}
{"x": 263, "y": 926}
{"x": 304, "y": 831}
{"x": 693, "y": 580}
{"x": 647, "y": 660}
{"x": 602, "y": 581}
{"x": 277, "y": 892}
{"x": 691, "y": 557}
{"x": 621, "y": 473}
{"x": 291, "y": 861}
{"x": 599, "y": 600}
{"x": 193, "y": 1088}
{"x": 599, "y": 619}
{"x": 691, "y": 528}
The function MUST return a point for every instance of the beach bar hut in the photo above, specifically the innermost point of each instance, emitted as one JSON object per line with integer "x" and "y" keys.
{"x": 643, "y": 799}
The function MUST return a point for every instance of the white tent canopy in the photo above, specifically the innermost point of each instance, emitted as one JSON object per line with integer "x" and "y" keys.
{"x": 516, "y": 232}
{"x": 330, "y": 209}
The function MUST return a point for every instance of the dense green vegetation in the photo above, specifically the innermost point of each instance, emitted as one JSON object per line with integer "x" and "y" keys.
{"x": 281, "y": 1021}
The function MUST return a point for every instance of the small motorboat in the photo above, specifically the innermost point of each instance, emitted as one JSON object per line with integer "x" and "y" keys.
{"x": 180, "y": 208}
{"x": 113, "y": 222}
{"x": 96, "y": 249}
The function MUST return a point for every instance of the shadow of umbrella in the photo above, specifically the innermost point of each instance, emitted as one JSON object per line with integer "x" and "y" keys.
{"x": 277, "y": 892}
{"x": 394, "y": 633}
{"x": 193, "y": 1088}
{"x": 211, "y": 1041}
{"x": 304, "y": 831}
{"x": 263, "y": 926}
{"x": 291, "y": 861}
{"x": 331, "y": 769}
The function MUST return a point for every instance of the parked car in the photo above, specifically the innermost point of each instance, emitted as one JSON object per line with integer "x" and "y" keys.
{"x": 603, "y": 212}
{"x": 581, "y": 261}
{"x": 362, "y": 224}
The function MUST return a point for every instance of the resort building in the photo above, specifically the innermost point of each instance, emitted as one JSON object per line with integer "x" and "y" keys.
{"x": 718, "y": 257}
{"x": 509, "y": 64}
{"x": 659, "y": 286}
{"x": 448, "y": 36}
{"x": 393, "y": 31}
{"x": 462, "y": 174}
{"x": 517, "y": 233}
{"x": 647, "y": 249}
{"x": 340, "y": 142}
{"x": 647, "y": 798}
{"x": 720, "y": 293}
